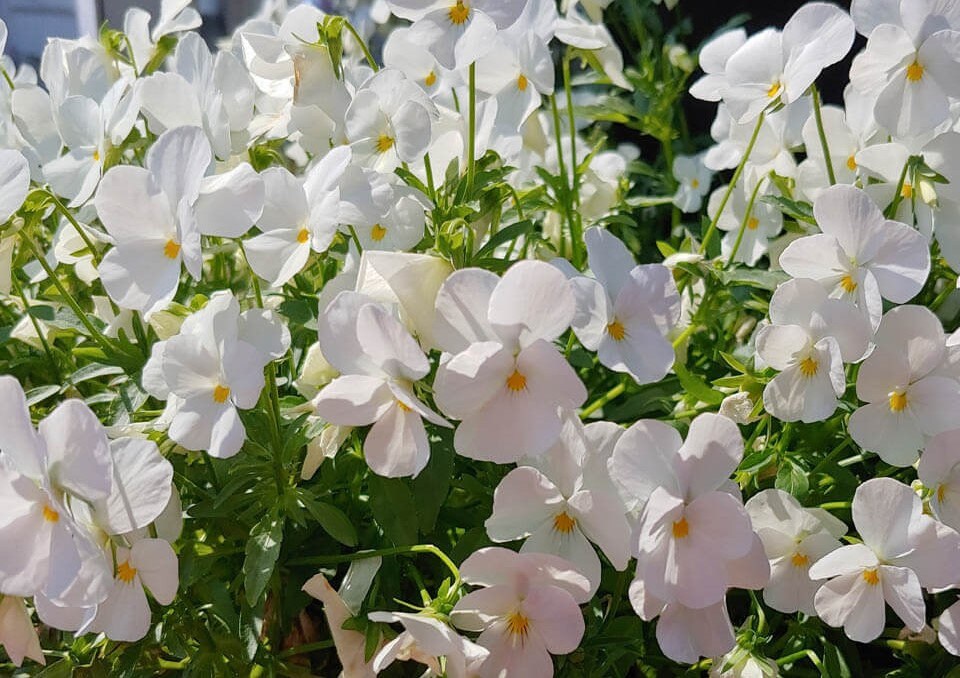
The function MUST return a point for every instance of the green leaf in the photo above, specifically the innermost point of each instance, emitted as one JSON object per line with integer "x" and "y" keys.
{"x": 334, "y": 521}
{"x": 263, "y": 549}
{"x": 800, "y": 211}
{"x": 765, "y": 280}
{"x": 504, "y": 235}
{"x": 433, "y": 484}
{"x": 793, "y": 479}
{"x": 394, "y": 509}
{"x": 696, "y": 386}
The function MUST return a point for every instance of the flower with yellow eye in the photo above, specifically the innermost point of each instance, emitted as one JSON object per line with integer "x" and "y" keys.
{"x": 902, "y": 551}
{"x": 774, "y": 67}
{"x": 149, "y": 565}
{"x": 299, "y": 216}
{"x": 390, "y": 121}
{"x": 527, "y": 610}
{"x": 504, "y": 379}
{"x": 859, "y": 255}
{"x": 457, "y": 32}
{"x": 560, "y": 510}
{"x": 763, "y": 223}
{"x": 693, "y": 539}
{"x": 210, "y": 369}
{"x": 693, "y": 178}
{"x": 809, "y": 338}
{"x": 626, "y": 311}
{"x": 794, "y": 538}
{"x": 379, "y": 362}
{"x": 907, "y": 399}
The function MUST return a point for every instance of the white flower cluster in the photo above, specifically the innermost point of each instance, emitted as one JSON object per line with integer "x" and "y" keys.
{"x": 205, "y": 192}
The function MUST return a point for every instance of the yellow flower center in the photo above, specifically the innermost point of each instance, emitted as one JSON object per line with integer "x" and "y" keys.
{"x": 171, "y": 249}
{"x": 220, "y": 394}
{"x": 518, "y": 624}
{"x": 695, "y": 183}
{"x": 459, "y": 13}
{"x": 681, "y": 528}
{"x": 915, "y": 71}
{"x": 522, "y": 83}
{"x": 96, "y": 155}
{"x": 616, "y": 330}
{"x": 563, "y": 523}
{"x": 848, "y": 284}
{"x": 431, "y": 79}
{"x": 941, "y": 492}
{"x": 384, "y": 143}
{"x": 871, "y": 576}
{"x": 774, "y": 90}
{"x": 303, "y": 236}
{"x": 753, "y": 223}
{"x": 125, "y": 572}
{"x": 378, "y": 232}
{"x": 799, "y": 560}
{"x": 403, "y": 406}
{"x": 907, "y": 191}
{"x": 50, "y": 515}
{"x": 898, "y": 401}
{"x": 809, "y": 367}
{"x": 852, "y": 163}
{"x": 516, "y": 382}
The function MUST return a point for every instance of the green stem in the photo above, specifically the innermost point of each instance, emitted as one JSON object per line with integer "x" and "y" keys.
{"x": 472, "y": 117}
{"x": 562, "y": 168}
{"x": 614, "y": 392}
{"x": 308, "y": 647}
{"x": 808, "y": 654}
{"x": 95, "y": 334}
{"x": 363, "y": 46}
{"x": 818, "y": 116}
{"x": 733, "y": 182}
{"x": 576, "y": 227}
{"x": 36, "y": 327}
{"x": 374, "y": 553}
{"x": 836, "y": 505}
{"x": 744, "y": 222}
{"x": 6, "y": 76}
{"x": 898, "y": 195}
{"x": 73, "y": 222}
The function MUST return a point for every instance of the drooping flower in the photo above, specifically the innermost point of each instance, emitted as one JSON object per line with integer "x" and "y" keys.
{"x": 17, "y": 634}
{"x": 425, "y": 640}
{"x": 939, "y": 471}
{"x": 694, "y": 179}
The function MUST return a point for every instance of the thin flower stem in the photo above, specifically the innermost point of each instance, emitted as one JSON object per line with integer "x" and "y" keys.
{"x": 898, "y": 194}
{"x": 747, "y": 216}
{"x": 614, "y": 392}
{"x": 576, "y": 228}
{"x": 363, "y": 47}
{"x": 733, "y": 183}
{"x": 818, "y": 116}
{"x": 95, "y": 334}
{"x": 6, "y": 76}
{"x": 76, "y": 225}
{"x": 472, "y": 117}
{"x": 802, "y": 654}
{"x": 36, "y": 327}
{"x": 374, "y": 553}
